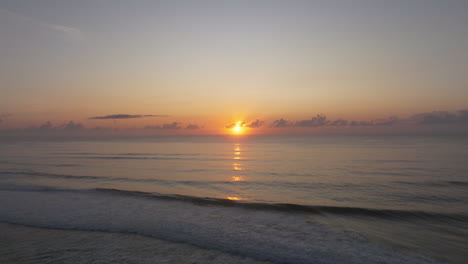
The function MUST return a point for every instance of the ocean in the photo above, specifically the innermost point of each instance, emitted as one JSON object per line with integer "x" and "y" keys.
{"x": 235, "y": 199}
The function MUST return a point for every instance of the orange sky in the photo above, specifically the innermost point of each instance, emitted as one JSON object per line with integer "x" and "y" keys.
{"x": 218, "y": 62}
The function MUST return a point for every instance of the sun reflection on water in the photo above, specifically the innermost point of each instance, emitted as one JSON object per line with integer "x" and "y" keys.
{"x": 237, "y": 178}
{"x": 237, "y": 168}
{"x": 234, "y": 198}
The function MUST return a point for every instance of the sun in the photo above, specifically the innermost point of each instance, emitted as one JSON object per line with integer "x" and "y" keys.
{"x": 238, "y": 128}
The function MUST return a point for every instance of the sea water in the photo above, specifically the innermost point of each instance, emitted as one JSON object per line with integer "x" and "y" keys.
{"x": 287, "y": 199}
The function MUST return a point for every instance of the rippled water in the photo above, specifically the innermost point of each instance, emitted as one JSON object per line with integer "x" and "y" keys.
{"x": 393, "y": 193}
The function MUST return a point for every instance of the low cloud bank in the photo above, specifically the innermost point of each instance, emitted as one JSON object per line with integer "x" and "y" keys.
{"x": 441, "y": 117}
{"x": 430, "y": 118}
{"x": 321, "y": 120}
{"x": 436, "y": 122}
{"x": 48, "y": 126}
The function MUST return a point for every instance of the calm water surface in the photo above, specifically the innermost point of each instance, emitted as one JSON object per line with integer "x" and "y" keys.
{"x": 408, "y": 194}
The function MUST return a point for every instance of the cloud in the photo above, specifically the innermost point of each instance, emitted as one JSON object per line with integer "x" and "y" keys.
{"x": 322, "y": 120}
{"x": 48, "y": 126}
{"x": 255, "y": 124}
{"x": 4, "y": 116}
{"x": 71, "y": 33}
{"x": 441, "y": 117}
{"x": 282, "y": 123}
{"x": 241, "y": 124}
{"x": 338, "y": 122}
{"x": 319, "y": 120}
{"x": 316, "y": 121}
{"x": 192, "y": 126}
{"x": 124, "y": 116}
{"x": 376, "y": 122}
{"x": 361, "y": 123}
{"x": 386, "y": 121}
{"x": 100, "y": 128}
{"x": 73, "y": 126}
{"x": 173, "y": 125}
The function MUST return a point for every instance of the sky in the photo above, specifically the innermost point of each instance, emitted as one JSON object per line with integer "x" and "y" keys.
{"x": 201, "y": 66}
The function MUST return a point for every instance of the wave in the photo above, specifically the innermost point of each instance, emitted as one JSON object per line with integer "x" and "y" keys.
{"x": 268, "y": 235}
{"x": 436, "y": 183}
{"x": 390, "y": 214}
{"x": 290, "y": 207}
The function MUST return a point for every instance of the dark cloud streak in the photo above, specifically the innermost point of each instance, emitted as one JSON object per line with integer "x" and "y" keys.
{"x": 231, "y": 125}
{"x": 124, "y": 116}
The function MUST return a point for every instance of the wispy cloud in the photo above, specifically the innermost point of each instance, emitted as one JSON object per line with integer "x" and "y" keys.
{"x": 71, "y": 33}
{"x": 124, "y": 116}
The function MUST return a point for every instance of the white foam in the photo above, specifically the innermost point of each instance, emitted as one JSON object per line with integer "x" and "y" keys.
{"x": 263, "y": 235}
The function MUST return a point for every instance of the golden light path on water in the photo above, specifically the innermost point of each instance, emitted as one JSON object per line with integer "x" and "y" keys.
{"x": 236, "y": 167}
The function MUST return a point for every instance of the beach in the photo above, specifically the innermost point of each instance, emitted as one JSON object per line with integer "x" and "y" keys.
{"x": 22, "y": 244}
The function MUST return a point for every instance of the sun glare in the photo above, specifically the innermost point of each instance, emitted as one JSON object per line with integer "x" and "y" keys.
{"x": 238, "y": 128}
{"x": 234, "y": 198}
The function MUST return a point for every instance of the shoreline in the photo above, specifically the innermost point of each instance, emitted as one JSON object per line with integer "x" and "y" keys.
{"x": 25, "y": 244}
